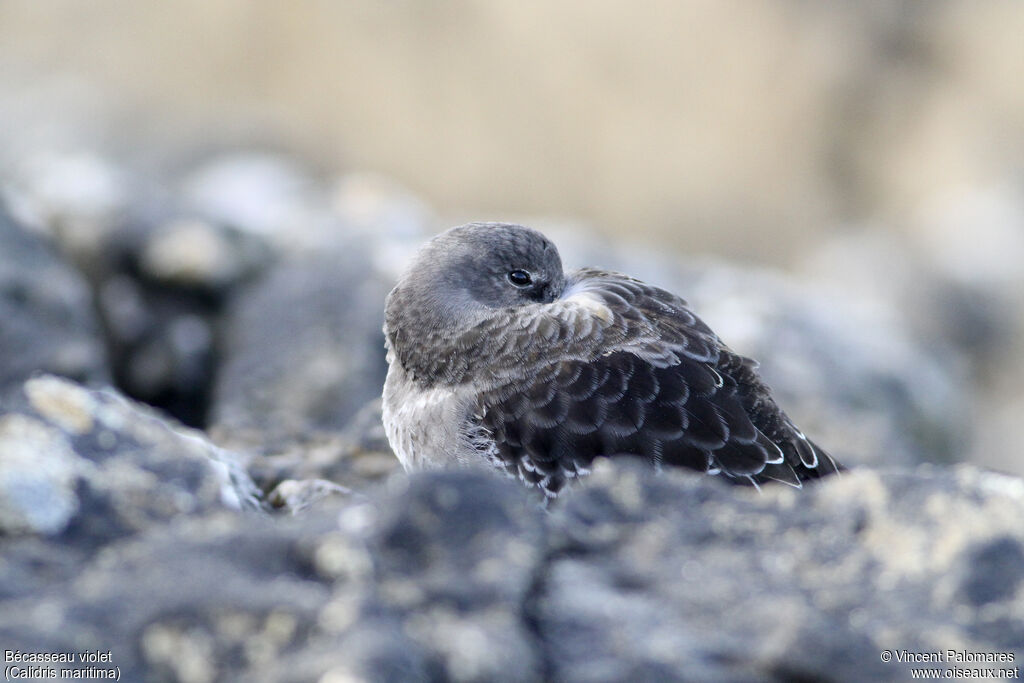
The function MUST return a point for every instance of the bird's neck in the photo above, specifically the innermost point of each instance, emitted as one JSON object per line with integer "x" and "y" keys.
{"x": 431, "y": 339}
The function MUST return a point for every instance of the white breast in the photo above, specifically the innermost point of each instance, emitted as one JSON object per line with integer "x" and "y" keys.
{"x": 424, "y": 426}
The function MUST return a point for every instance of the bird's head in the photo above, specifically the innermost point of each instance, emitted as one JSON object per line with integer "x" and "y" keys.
{"x": 479, "y": 266}
{"x": 464, "y": 274}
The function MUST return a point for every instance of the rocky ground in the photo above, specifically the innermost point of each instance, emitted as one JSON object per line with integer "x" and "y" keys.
{"x": 194, "y": 482}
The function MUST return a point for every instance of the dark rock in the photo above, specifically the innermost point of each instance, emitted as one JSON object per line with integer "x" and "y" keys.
{"x": 46, "y": 313}
{"x": 304, "y": 350}
{"x": 161, "y": 295}
{"x": 993, "y": 572}
{"x": 454, "y": 557}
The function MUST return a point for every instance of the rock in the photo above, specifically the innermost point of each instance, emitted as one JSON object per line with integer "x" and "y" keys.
{"x": 79, "y": 199}
{"x": 46, "y": 314}
{"x": 970, "y": 324}
{"x": 683, "y": 578}
{"x": 38, "y": 474}
{"x": 90, "y": 466}
{"x": 454, "y": 557}
{"x": 162, "y": 304}
{"x": 358, "y": 457}
{"x": 200, "y": 600}
{"x": 975, "y": 319}
{"x": 392, "y": 220}
{"x": 459, "y": 576}
{"x": 200, "y": 255}
{"x": 262, "y": 194}
{"x": 298, "y": 496}
{"x": 304, "y": 350}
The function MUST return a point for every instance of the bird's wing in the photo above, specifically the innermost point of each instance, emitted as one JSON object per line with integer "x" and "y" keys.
{"x": 618, "y": 367}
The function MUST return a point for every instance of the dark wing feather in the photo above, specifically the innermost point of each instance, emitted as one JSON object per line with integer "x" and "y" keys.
{"x": 659, "y": 385}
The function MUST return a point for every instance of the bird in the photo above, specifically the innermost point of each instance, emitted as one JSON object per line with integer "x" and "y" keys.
{"x": 498, "y": 358}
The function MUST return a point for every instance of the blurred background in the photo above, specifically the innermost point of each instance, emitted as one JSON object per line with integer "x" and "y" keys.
{"x": 869, "y": 156}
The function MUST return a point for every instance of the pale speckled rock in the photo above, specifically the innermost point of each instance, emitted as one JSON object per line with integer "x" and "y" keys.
{"x": 681, "y": 578}
{"x": 433, "y": 577}
{"x": 192, "y": 253}
{"x": 93, "y": 466}
{"x": 38, "y": 474}
{"x": 202, "y": 599}
{"x": 458, "y": 576}
{"x": 295, "y": 496}
{"x": 359, "y": 457}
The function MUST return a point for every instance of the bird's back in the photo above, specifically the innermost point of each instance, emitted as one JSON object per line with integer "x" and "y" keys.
{"x": 667, "y": 391}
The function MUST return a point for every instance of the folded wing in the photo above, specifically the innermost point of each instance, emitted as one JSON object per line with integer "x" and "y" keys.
{"x": 647, "y": 378}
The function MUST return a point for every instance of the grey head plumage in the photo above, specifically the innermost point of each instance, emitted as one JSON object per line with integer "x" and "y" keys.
{"x": 497, "y": 357}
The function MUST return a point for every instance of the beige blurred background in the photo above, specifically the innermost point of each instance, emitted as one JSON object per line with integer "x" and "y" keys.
{"x": 873, "y": 149}
{"x": 742, "y": 128}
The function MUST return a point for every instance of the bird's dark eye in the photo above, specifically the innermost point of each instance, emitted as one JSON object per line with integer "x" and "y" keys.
{"x": 520, "y": 278}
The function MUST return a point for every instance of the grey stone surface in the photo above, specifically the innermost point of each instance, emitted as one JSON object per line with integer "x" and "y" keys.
{"x": 295, "y": 496}
{"x": 200, "y": 255}
{"x": 303, "y": 351}
{"x": 684, "y": 580}
{"x": 46, "y": 313}
{"x": 199, "y": 600}
{"x": 459, "y": 576}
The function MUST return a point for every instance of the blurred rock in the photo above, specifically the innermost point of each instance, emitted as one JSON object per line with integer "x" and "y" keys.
{"x": 46, "y": 313}
{"x": 298, "y": 496}
{"x": 955, "y": 284}
{"x": 680, "y": 578}
{"x": 162, "y": 300}
{"x": 258, "y": 193}
{"x": 974, "y": 237}
{"x": 200, "y": 255}
{"x": 358, "y": 457}
{"x": 392, "y": 219}
{"x": 78, "y": 198}
{"x": 303, "y": 349}
{"x": 90, "y": 466}
{"x": 201, "y": 600}
{"x": 925, "y": 280}
{"x": 163, "y": 343}
{"x": 458, "y": 576}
